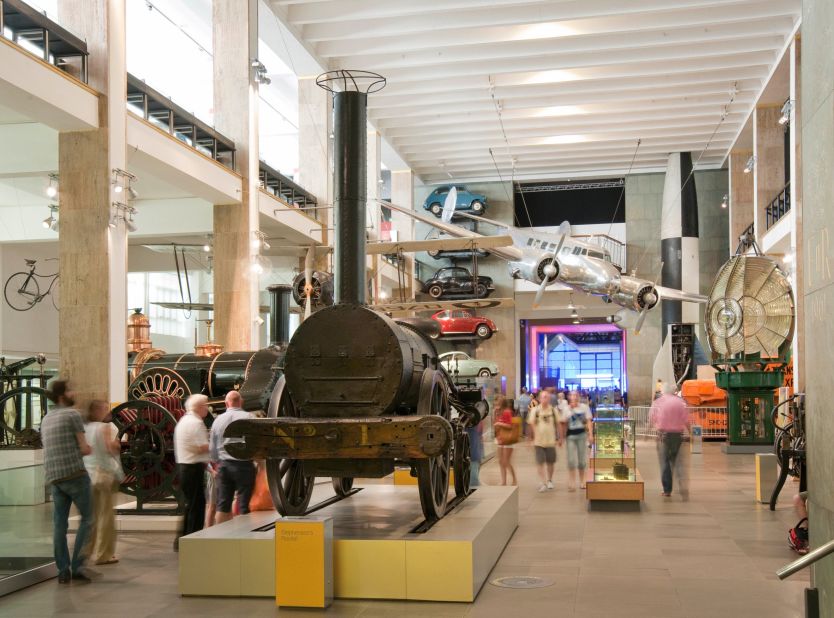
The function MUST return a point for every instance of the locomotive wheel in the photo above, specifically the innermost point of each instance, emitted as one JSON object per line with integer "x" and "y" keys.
{"x": 291, "y": 489}
{"x": 433, "y": 473}
{"x": 146, "y": 435}
{"x": 342, "y": 486}
{"x": 462, "y": 463}
{"x": 11, "y": 415}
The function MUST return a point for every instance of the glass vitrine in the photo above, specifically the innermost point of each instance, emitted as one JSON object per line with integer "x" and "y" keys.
{"x": 613, "y": 446}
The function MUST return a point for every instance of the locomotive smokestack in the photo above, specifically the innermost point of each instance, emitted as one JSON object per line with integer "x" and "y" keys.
{"x": 279, "y": 313}
{"x": 350, "y": 100}
{"x": 350, "y": 194}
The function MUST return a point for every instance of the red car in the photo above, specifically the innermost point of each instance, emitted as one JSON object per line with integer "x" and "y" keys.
{"x": 460, "y": 322}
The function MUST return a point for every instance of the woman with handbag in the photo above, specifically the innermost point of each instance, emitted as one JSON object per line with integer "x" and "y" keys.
{"x": 506, "y": 435}
{"x": 105, "y": 469}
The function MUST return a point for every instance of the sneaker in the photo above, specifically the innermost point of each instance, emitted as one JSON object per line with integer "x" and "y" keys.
{"x": 64, "y": 578}
{"x": 542, "y": 488}
{"x": 798, "y": 539}
{"x": 550, "y": 484}
{"x": 81, "y": 578}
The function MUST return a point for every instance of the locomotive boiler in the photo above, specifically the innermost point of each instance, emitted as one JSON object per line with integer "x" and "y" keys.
{"x": 159, "y": 385}
{"x": 360, "y": 392}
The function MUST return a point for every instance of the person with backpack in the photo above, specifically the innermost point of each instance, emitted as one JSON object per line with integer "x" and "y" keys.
{"x": 545, "y": 429}
{"x": 576, "y": 425}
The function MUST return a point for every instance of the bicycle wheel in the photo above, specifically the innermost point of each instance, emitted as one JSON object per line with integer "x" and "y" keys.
{"x": 54, "y": 294}
{"x": 21, "y": 295}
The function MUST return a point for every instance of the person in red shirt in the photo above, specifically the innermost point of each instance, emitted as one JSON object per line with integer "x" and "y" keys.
{"x": 505, "y": 438}
{"x": 670, "y": 417}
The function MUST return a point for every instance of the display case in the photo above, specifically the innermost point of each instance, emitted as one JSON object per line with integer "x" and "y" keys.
{"x": 613, "y": 471}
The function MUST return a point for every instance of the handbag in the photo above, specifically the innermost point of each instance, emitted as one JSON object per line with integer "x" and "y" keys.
{"x": 506, "y": 436}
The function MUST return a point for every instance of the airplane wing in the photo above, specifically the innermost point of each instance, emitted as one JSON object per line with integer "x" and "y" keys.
{"x": 673, "y": 294}
{"x": 511, "y": 254}
{"x": 199, "y": 306}
{"x": 441, "y": 244}
{"x": 485, "y": 303}
{"x": 469, "y": 215}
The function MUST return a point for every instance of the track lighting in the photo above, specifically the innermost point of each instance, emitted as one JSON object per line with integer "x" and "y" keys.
{"x": 259, "y": 241}
{"x": 47, "y": 223}
{"x": 726, "y": 201}
{"x": 52, "y": 189}
{"x": 751, "y": 163}
{"x": 787, "y": 108}
{"x": 51, "y": 222}
{"x": 260, "y": 76}
{"x": 123, "y": 181}
{"x": 132, "y": 192}
{"x": 123, "y": 212}
{"x": 130, "y": 225}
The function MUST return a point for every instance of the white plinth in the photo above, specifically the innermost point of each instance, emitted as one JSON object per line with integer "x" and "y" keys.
{"x": 21, "y": 477}
{"x": 129, "y": 522}
{"x": 375, "y": 554}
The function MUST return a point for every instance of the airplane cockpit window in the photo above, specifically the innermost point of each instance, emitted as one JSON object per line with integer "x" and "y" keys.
{"x": 595, "y": 254}
{"x": 531, "y": 242}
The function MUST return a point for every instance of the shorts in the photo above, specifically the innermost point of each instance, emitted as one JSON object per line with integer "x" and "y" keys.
{"x": 235, "y": 477}
{"x": 545, "y": 454}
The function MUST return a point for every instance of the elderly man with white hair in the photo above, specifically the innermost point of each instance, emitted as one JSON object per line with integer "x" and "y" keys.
{"x": 671, "y": 418}
{"x": 191, "y": 450}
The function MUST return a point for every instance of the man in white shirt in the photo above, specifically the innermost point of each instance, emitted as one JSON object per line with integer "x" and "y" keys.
{"x": 191, "y": 450}
{"x": 543, "y": 421}
{"x": 234, "y": 476}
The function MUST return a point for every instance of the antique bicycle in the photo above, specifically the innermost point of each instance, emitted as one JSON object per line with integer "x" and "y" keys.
{"x": 22, "y": 290}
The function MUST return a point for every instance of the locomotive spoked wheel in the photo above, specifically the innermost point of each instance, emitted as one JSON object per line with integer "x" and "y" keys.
{"x": 342, "y": 486}
{"x": 13, "y": 411}
{"x": 291, "y": 489}
{"x": 146, "y": 435}
{"x": 433, "y": 473}
{"x": 462, "y": 463}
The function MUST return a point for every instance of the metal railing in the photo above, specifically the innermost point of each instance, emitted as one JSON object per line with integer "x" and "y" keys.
{"x": 713, "y": 421}
{"x": 163, "y": 113}
{"x": 779, "y": 207}
{"x": 275, "y": 183}
{"x": 38, "y": 35}
{"x": 746, "y": 240}
{"x": 807, "y": 560}
{"x": 616, "y": 249}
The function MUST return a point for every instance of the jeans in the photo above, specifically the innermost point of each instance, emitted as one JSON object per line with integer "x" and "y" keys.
{"x": 669, "y": 451}
{"x": 577, "y": 447}
{"x": 474, "y": 473}
{"x": 64, "y": 495}
{"x": 192, "y": 485}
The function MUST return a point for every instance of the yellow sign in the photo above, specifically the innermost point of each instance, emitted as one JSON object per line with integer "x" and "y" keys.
{"x": 304, "y": 562}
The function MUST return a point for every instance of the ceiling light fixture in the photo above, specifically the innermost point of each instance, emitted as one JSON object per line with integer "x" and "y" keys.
{"x": 787, "y": 108}
{"x": 207, "y": 244}
{"x": 726, "y": 201}
{"x": 260, "y": 76}
{"x": 751, "y": 163}
{"x": 51, "y": 222}
{"x": 52, "y": 189}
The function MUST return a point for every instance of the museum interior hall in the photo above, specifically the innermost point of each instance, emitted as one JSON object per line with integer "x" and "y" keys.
{"x": 437, "y": 308}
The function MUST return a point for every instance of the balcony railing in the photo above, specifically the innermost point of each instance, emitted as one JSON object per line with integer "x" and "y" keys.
{"x": 779, "y": 207}
{"x": 35, "y": 33}
{"x": 166, "y": 115}
{"x": 746, "y": 240}
{"x": 615, "y": 248}
{"x": 275, "y": 183}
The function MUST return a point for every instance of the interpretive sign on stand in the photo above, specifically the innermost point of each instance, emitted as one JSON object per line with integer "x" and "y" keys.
{"x": 696, "y": 439}
{"x": 304, "y": 562}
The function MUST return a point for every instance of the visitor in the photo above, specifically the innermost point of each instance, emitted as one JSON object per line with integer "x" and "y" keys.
{"x": 798, "y": 535}
{"x": 522, "y": 406}
{"x": 671, "y": 418}
{"x": 191, "y": 451}
{"x": 476, "y": 453}
{"x": 506, "y": 437}
{"x": 105, "y": 469}
{"x": 233, "y": 476}
{"x": 576, "y": 421}
{"x": 64, "y": 446}
{"x": 545, "y": 432}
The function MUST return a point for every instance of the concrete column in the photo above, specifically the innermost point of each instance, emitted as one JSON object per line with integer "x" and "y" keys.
{"x": 816, "y": 104}
{"x": 797, "y": 274}
{"x": 235, "y": 41}
{"x": 769, "y": 171}
{"x": 92, "y": 255}
{"x": 741, "y": 195}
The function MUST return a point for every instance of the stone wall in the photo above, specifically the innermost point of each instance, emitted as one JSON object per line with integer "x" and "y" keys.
{"x": 643, "y": 199}
{"x": 817, "y": 126}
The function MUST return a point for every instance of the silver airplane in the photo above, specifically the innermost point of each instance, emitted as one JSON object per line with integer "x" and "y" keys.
{"x": 544, "y": 258}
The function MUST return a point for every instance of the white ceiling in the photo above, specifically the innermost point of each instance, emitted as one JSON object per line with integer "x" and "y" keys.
{"x": 578, "y": 82}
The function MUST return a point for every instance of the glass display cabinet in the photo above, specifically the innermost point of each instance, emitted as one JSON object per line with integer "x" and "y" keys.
{"x": 613, "y": 471}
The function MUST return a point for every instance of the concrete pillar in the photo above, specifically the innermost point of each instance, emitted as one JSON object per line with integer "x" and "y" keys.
{"x": 816, "y": 104}
{"x": 92, "y": 255}
{"x": 769, "y": 170}
{"x": 741, "y": 195}
{"x": 235, "y": 41}
{"x": 797, "y": 273}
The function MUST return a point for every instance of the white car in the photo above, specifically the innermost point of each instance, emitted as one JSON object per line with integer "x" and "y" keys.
{"x": 460, "y": 364}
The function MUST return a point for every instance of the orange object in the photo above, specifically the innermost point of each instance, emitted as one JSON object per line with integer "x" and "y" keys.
{"x": 703, "y": 393}
{"x": 261, "y": 500}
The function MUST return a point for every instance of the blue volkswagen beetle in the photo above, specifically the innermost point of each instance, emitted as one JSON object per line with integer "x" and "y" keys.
{"x": 473, "y": 202}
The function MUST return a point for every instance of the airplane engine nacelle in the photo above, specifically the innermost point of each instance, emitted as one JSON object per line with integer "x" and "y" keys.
{"x": 322, "y": 289}
{"x": 635, "y": 293}
{"x": 533, "y": 271}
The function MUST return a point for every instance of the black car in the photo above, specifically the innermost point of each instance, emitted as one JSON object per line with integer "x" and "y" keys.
{"x": 456, "y": 281}
{"x": 439, "y": 254}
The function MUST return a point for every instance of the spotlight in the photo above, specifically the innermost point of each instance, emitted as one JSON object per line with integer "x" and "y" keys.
{"x": 258, "y": 320}
{"x": 118, "y": 188}
{"x": 787, "y": 258}
{"x": 265, "y": 245}
{"x": 256, "y": 268}
{"x": 751, "y": 163}
{"x": 54, "y": 226}
{"x": 256, "y": 243}
{"x": 47, "y": 223}
{"x": 51, "y": 191}
{"x": 130, "y": 225}
{"x": 725, "y": 202}
{"x": 132, "y": 192}
{"x": 114, "y": 220}
{"x": 576, "y": 320}
{"x": 207, "y": 247}
{"x": 787, "y": 108}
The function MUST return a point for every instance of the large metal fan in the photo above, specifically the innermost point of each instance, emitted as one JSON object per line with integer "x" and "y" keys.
{"x": 750, "y": 308}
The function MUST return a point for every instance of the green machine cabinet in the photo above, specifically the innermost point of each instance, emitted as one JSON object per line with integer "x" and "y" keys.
{"x": 750, "y": 398}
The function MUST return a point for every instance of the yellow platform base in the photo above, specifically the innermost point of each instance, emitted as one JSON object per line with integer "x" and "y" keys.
{"x": 402, "y": 476}
{"x": 375, "y": 555}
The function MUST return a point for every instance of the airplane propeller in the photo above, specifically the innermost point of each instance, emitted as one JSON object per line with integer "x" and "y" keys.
{"x": 550, "y": 271}
{"x": 449, "y": 205}
{"x": 308, "y": 285}
{"x": 649, "y": 300}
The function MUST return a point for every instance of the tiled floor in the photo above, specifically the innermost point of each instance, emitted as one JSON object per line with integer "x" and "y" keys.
{"x": 713, "y": 556}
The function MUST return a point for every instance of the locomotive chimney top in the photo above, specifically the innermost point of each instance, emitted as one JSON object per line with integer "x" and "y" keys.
{"x": 350, "y": 91}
